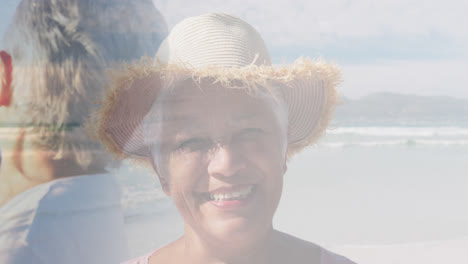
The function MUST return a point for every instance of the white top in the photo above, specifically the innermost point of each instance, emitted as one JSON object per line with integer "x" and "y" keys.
{"x": 70, "y": 220}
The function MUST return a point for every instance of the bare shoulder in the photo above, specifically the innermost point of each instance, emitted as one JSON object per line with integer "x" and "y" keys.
{"x": 290, "y": 249}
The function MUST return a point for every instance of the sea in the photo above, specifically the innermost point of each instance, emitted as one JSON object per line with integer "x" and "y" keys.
{"x": 373, "y": 185}
{"x": 358, "y": 188}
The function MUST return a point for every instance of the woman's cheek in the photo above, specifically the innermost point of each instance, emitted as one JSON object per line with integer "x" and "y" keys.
{"x": 185, "y": 172}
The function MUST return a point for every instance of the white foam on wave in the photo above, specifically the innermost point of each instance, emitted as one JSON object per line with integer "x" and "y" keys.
{"x": 133, "y": 197}
{"x": 390, "y": 143}
{"x": 400, "y": 131}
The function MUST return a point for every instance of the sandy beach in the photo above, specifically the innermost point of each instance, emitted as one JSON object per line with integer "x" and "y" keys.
{"x": 375, "y": 203}
{"x": 437, "y": 252}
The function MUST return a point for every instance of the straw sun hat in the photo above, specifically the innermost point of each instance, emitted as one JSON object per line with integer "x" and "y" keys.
{"x": 216, "y": 48}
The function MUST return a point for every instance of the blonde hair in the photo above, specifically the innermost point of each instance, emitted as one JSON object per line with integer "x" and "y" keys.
{"x": 60, "y": 52}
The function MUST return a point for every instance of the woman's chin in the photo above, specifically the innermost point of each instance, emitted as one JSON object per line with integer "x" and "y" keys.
{"x": 237, "y": 232}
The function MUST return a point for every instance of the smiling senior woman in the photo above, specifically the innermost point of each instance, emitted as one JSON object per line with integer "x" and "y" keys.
{"x": 218, "y": 123}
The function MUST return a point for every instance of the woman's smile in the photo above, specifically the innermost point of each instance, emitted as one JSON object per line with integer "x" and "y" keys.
{"x": 230, "y": 198}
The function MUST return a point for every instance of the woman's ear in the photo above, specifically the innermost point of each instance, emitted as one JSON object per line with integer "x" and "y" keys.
{"x": 6, "y": 78}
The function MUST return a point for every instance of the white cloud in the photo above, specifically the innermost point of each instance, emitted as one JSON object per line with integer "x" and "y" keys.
{"x": 408, "y": 46}
{"x": 319, "y": 23}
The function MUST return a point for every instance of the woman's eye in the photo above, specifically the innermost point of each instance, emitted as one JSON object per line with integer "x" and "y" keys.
{"x": 194, "y": 144}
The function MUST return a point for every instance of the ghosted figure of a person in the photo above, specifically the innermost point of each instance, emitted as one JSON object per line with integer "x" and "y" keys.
{"x": 58, "y": 202}
{"x": 217, "y": 123}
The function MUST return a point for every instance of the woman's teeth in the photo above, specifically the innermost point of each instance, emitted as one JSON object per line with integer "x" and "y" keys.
{"x": 237, "y": 195}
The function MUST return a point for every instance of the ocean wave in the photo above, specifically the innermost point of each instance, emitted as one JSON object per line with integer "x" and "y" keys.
{"x": 407, "y": 142}
{"x": 400, "y": 131}
{"x": 135, "y": 196}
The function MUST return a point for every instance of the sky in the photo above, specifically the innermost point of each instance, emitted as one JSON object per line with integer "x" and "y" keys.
{"x": 402, "y": 46}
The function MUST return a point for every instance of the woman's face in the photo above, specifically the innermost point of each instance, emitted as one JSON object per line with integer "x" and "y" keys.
{"x": 221, "y": 156}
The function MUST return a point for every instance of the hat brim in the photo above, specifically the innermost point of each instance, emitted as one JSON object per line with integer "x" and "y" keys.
{"x": 308, "y": 88}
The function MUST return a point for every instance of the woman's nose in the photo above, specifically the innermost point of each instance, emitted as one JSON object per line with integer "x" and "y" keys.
{"x": 226, "y": 161}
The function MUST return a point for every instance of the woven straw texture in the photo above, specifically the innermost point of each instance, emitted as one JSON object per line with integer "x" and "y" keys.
{"x": 226, "y": 50}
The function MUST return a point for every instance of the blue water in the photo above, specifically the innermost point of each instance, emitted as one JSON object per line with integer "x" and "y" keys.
{"x": 372, "y": 185}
